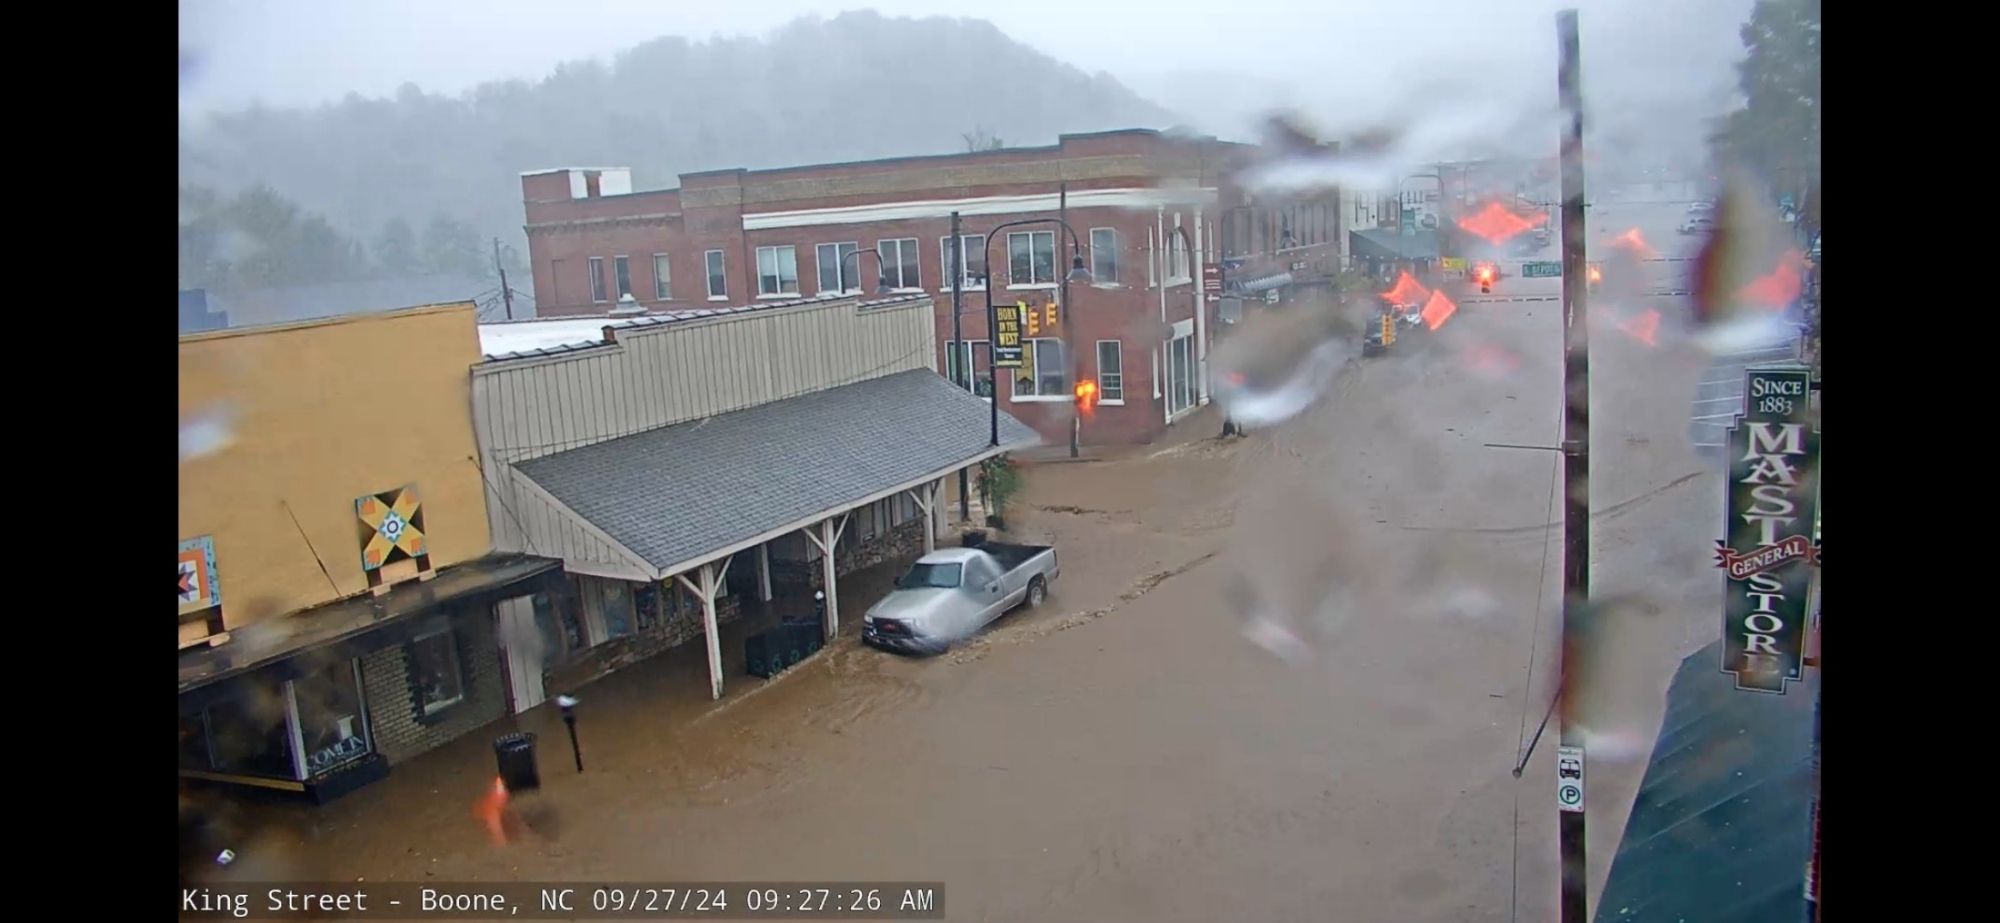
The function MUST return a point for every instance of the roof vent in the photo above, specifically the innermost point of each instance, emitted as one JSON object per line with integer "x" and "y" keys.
{"x": 627, "y": 307}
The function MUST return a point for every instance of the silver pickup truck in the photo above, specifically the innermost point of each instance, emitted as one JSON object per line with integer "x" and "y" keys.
{"x": 953, "y": 592}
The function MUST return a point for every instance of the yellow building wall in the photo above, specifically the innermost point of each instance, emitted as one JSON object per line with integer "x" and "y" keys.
{"x": 316, "y": 415}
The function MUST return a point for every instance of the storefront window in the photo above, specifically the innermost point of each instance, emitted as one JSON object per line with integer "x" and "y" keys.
{"x": 247, "y": 735}
{"x": 617, "y": 608}
{"x": 435, "y": 677}
{"x": 330, "y": 719}
{"x": 646, "y": 605}
{"x": 557, "y": 640}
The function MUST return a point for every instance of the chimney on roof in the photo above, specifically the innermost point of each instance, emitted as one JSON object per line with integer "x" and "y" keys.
{"x": 627, "y": 307}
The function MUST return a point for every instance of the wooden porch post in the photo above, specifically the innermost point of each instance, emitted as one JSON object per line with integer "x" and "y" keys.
{"x": 711, "y": 583}
{"x": 764, "y": 572}
{"x": 827, "y": 539}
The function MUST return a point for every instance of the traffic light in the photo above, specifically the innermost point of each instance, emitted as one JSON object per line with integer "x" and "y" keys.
{"x": 1049, "y": 315}
{"x": 1033, "y": 321}
{"x": 1388, "y": 329}
{"x": 1086, "y": 394}
{"x": 1485, "y": 275}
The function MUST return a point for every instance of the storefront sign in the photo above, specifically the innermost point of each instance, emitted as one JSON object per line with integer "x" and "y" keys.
{"x": 1770, "y": 508}
{"x": 1452, "y": 264}
{"x": 199, "y": 591}
{"x": 341, "y": 751}
{"x": 1007, "y": 335}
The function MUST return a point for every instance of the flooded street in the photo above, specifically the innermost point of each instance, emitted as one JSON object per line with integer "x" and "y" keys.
{"x": 1124, "y": 752}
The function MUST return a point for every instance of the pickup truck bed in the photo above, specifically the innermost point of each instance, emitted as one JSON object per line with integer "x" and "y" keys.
{"x": 1010, "y": 556}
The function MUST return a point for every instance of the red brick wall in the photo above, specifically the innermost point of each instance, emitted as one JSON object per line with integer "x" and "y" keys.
{"x": 706, "y": 213}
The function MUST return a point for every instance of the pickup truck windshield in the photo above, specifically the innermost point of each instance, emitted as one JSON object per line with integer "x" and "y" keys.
{"x": 940, "y": 576}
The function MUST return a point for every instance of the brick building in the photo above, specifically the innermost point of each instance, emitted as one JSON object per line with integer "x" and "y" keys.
{"x": 1145, "y": 208}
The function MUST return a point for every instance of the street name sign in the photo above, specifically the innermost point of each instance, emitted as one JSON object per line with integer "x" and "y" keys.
{"x": 1545, "y": 269}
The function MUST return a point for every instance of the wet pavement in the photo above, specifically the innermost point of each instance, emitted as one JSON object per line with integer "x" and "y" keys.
{"x": 1124, "y": 752}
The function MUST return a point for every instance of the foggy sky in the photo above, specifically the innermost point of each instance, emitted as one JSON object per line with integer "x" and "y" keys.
{"x": 1346, "y": 64}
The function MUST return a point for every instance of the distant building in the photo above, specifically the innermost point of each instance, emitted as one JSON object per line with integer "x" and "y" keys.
{"x": 286, "y": 304}
{"x": 197, "y": 315}
{"x": 1145, "y": 207}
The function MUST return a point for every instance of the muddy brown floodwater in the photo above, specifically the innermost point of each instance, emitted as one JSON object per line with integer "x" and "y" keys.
{"x": 1124, "y": 753}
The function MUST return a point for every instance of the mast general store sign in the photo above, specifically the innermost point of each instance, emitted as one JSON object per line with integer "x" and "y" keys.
{"x": 1769, "y": 556}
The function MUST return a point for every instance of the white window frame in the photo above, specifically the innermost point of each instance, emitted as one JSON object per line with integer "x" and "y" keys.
{"x": 1035, "y": 373}
{"x": 1152, "y": 258}
{"x": 1180, "y": 261}
{"x": 967, "y": 352}
{"x": 1103, "y": 392}
{"x": 457, "y": 661}
{"x": 777, "y": 252}
{"x": 902, "y": 282}
{"x": 1097, "y": 276}
{"x": 1055, "y": 259}
{"x": 969, "y": 282}
{"x": 663, "y": 278}
{"x": 711, "y": 269}
{"x": 597, "y": 287}
{"x": 839, "y": 266}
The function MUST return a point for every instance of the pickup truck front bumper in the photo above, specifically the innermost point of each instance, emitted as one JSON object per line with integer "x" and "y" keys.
{"x": 901, "y": 641}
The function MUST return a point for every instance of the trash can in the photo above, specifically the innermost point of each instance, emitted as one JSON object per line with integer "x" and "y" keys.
{"x": 516, "y": 755}
{"x": 762, "y": 654}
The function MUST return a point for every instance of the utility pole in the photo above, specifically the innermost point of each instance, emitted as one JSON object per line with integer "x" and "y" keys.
{"x": 506, "y": 294}
{"x": 964, "y": 353}
{"x": 1062, "y": 298}
{"x": 1576, "y": 461}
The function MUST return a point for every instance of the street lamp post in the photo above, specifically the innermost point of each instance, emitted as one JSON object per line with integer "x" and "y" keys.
{"x": 880, "y": 289}
{"x": 1076, "y": 274}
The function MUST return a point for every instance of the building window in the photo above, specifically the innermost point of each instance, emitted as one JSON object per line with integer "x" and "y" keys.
{"x": 332, "y": 730}
{"x": 1110, "y": 371}
{"x": 1042, "y": 373}
{"x": 560, "y": 631}
{"x": 1031, "y": 258}
{"x": 899, "y": 262}
{"x": 972, "y": 259}
{"x": 618, "y": 608}
{"x": 832, "y": 264}
{"x": 1177, "y": 258}
{"x": 663, "y": 278}
{"x": 718, "y": 287}
{"x": 621, "y": 267}
{"x": 978, "y": 354}
{"x": 597, "y": 278}
{"x": 1152, "y": 258}
{"x": 437, "y": 679}
{"x": 777, "y": 271}
{"x": 1104, "y": 256}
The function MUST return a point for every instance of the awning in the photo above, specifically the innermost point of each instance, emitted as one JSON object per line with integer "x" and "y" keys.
{"x": 684, "y": 495}
{"x": 1721, "y": 829}
{"x": 1387, "y": 244}
{"x": 1267, "y": 283}
{"x": 358, "y": 625}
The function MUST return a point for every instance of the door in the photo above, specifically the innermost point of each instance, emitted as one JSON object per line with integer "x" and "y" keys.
{"x": 1180, "y": 374}
{"x": 522, "y": 650}
{"x": 984, "y": 581}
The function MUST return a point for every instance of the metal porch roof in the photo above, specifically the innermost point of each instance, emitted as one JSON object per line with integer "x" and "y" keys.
{"x": 682, "y": 494}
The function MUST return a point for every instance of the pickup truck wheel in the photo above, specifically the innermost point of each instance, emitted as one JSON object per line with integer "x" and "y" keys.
{"x": 1037, "y": 591}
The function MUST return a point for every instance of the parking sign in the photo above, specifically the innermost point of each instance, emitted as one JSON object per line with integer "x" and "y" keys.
{"x": 1569, "y": 779}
